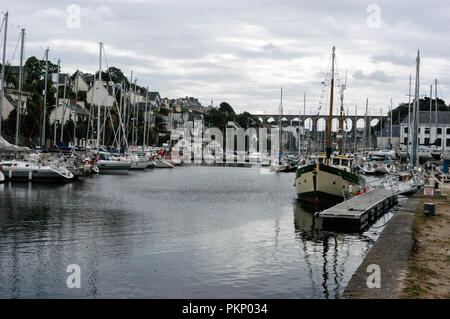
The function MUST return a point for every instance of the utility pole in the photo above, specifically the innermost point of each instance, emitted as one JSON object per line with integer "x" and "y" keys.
{"x": 2, "y": 97}
{"x": 44, "y": 117}
{"x": 19, "y": 107}
{"x": 56, "y": 105}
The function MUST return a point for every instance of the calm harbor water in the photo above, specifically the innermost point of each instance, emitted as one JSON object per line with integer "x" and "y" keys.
{"x": 189, "y": 232}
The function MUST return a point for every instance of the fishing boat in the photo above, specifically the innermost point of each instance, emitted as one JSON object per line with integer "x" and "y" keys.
{"x": 329, "y": 179}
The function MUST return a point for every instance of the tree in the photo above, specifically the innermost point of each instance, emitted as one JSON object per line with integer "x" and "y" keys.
{"x": 225, "y": 107}
{"x": 36, "y": 69}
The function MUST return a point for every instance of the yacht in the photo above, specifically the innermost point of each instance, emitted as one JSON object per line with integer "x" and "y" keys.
{"x": 16, "y": 170}
{"x": 113, "y": 165}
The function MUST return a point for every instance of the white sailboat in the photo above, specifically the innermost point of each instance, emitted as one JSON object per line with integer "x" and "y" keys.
{"x": 277, "y": 164}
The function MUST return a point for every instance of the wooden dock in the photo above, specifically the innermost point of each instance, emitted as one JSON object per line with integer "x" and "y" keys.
{"x": 359, "y": 211}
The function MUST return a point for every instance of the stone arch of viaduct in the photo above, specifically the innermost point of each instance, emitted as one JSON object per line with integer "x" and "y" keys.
{"x": 315, "y": 118}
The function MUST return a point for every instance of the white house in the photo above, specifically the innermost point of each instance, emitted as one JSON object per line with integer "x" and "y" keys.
{"x": 11, "y": 101}
{"x": 82, "y": 81}
{"x": 433, "y": 132}
{"x": 68, "y": 111}
{"x": 108, "y": 91}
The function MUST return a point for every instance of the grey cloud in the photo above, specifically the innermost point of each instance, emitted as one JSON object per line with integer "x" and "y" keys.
{"x": 394, "y": 58}
{"x": 376, "y": 75}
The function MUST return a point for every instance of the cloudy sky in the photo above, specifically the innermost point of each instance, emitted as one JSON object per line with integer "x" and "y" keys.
{"x": 242, "y": 52}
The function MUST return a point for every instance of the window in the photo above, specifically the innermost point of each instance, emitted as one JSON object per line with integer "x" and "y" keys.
{"x": 406, "y": 130}
{"x": 405, "y": 141}
{"x": 427, "y": 141}
{"x": 448, "y": 130}
{"x": 427, "y": 130}
{"x": 437, "y": 142}
{"x": 439, "y": 130}
{"x": 448, "y": 142}
{"x": 419, "y": 130}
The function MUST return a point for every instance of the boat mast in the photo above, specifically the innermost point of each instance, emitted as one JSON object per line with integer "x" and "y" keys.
{"x": 435, "y": 105}
{"x": 145, "y": 118}
{"x": 341, "y": 124}
{"x": 390, "y": 124}
{"x": 281, "y": 126}
{"x": 19, "y": 107}
{"x": 2, "y": 97}
{"x": 63, "y": 109}
{"x": 431, "y": 107}
{"x": 409, "y": 118}
{"x": 364, "y": 142}
{"x": 99, "y": 97}
{"x": 45, "y": 99}
{"x": 56, "y": 104}
{"x": 356, "y": 128}
{"x": 416, "y": 112}
{"x": 329, "y": 150}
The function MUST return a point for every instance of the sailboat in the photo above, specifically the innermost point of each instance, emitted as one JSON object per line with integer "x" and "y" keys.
{"x": 330, "y": 178}
{"x": 104, "y": 162}
{"x": 277, "y": 165}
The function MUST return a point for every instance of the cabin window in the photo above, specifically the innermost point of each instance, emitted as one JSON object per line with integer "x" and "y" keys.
{"x": 345, "y": 162}
{"x": 320, "y": 160}
{"x": 336, "y": 161}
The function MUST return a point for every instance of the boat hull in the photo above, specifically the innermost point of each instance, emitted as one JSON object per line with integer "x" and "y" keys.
{"x": 323, "y": 184}
{"x": 113, "y": 167}
{"x": 32, "y": 175}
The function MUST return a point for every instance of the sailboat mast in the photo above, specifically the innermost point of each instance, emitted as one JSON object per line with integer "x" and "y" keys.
{"x": 99, "y": 97}
{"x": 56, "y": 103}
{"x": 45, "y": 99}
{"x": 5, "y": 33}
{"x": 435, "y": 104}
{"x": 281, "y": 126}
{"x": 409, "y": 117}
{"x": 390, "y": 129}
{"x": 19, "y": 107}
{"x": 330, "y": 119}
{"x": 341, "y": 124}
{"x": 416, "y": 112}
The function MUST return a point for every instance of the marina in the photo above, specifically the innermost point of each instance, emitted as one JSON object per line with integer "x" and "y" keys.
{"x": 161, "y": 153}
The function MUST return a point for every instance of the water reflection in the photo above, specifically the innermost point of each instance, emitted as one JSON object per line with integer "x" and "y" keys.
{"x": 172, "y": 233}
